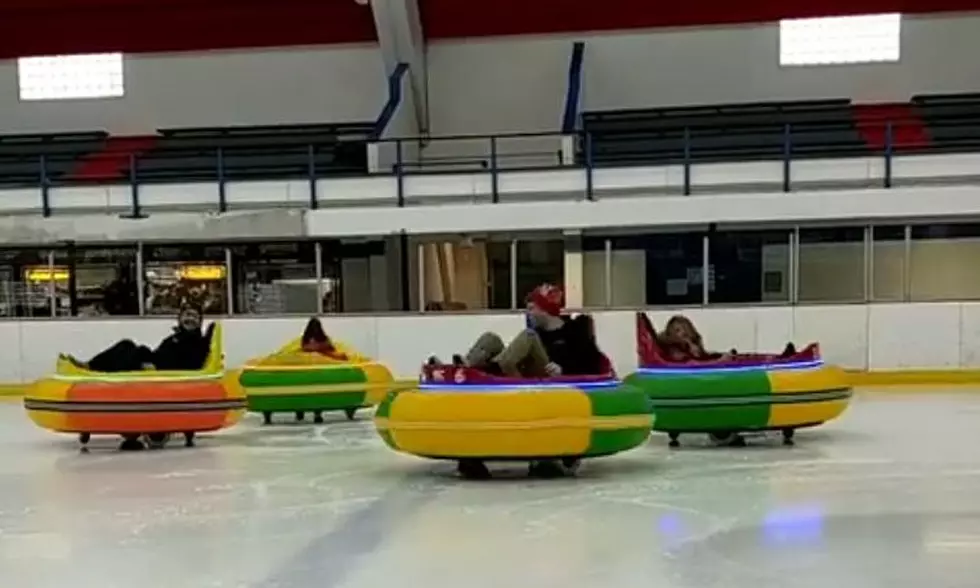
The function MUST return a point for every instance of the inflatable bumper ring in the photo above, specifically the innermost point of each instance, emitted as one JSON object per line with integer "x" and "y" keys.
{"x": 295, "y": 381}
{"x": 742, "y": 393}
{"x": 146, "y": 404}
{"x": 458, "y": 413}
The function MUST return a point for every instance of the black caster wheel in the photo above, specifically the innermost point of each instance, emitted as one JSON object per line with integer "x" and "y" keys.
{"x": 157, "y": 440}
{"x": 546, "y": 469}
{"x": 189, "y": 439}
{"x": 473, "y": 469}
{"x": 788, "y": 437}
{"x": 570, "y": 465}
{"x": 318, "y": 417}
{"x": 674, "y": 443}
{"x": 84, "y": 438}
{"x": 727, "y": 439}
{"x": 266, "y": 418}
{"x": 132, "y": 443}
{"x": 351, "y": 413}
{"x": 300, "y": 416}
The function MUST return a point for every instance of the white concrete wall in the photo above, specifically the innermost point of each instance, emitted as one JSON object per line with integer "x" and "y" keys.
{"x": 296, "y": 85}
{"x": 881, "y": 337}
{"x": 518, "y": 84}
{"x": 498, "y": 85}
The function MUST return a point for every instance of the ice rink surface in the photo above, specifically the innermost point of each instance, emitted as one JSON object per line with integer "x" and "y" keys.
{"x": 887, "y": 496}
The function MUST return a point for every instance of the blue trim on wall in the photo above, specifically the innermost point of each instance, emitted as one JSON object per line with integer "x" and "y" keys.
{"x": 394, "y": 101}
{"x": 573, "y": 91}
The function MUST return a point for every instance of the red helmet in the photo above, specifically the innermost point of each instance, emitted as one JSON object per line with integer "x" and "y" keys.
{"x": 549, "y": 298}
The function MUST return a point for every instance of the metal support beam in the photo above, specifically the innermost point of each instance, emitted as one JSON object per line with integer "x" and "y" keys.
{"x": 402, "y": 41}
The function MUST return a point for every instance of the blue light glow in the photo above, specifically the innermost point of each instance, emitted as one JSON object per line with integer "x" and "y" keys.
{"x": 670, "y": 525}
{"x": 769, "y": 367}
{"x": 503, "y": 387}
{"x": 797, "y": 524}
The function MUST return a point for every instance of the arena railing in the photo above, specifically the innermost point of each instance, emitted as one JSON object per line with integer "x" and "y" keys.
{"x": 493, "y": 155}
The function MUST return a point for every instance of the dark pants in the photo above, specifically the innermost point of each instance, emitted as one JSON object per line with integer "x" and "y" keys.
{"x": 124, "y": 356}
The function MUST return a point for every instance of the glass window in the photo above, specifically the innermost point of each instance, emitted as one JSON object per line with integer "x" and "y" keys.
{"x": 663, "y": 269}
{"x": 538, "y": 262}
{"x": 332, "y": 267}
{"x": 888, "y": 263}
{"x": 275, "y": 278}
{"x": 105, "y": 280}
{"x": 840, "y": 39}
{"x": 942, "y": 262}
{"x": 831, "y": 264}
{"x": 499, "y": 270}
{"x": 594, "y": 272}
{"x": 29, "y": 282}
{"x": 366, "y": 276}
{"x": 464, "y": 274}
{"x": 61, "y": 77}
{"x": 748, "y": 266}
{"x": 177, "y": 274}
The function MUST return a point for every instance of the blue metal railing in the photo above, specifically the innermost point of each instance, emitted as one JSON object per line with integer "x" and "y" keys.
{"x": 492, "y": 155}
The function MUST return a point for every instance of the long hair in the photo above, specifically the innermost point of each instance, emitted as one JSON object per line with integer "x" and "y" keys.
{"x": 314, "y": 333}
{"x": 692, "y": 334}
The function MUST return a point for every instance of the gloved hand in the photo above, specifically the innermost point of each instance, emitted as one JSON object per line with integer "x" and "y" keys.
{"x": 553, "y": 369}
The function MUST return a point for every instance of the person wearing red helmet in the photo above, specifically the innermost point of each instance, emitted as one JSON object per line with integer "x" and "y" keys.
{"x": 553, "y": 344}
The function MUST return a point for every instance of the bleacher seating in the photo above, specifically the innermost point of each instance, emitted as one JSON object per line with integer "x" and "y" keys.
{"x": 736, "y": 132}
{"x": 21, "y": 156}
{"x": 257, "y": 152}
{"x": 902, "y": 120}
{"x": 699, "y": 134}
{"x": 953, "y": 120}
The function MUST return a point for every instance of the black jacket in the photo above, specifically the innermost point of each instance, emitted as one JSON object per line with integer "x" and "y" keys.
{"x": 573, "y": 347}
{"x": 183, "y": 350}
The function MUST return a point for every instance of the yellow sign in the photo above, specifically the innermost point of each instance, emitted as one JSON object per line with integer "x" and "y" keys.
{"x": 201, "y": 273}
{"x": 46, "y": 274}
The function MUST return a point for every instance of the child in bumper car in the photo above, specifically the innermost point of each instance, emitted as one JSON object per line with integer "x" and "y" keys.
{"x": 681, "y": 342}
{"x": 315, "y": 340}
{"x": 186, "y": 348}
{"x": 553, "y": 345}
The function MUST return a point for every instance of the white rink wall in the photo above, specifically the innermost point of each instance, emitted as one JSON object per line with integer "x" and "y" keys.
{"x": 860, "y": 337}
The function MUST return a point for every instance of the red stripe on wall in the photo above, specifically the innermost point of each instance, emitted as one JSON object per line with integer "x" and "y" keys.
{"x": 454, "y": 18}
{"x": 93, "y": 26}
{"x": 46, "y": 27}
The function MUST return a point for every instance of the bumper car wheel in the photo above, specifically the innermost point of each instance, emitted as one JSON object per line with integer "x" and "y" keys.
{"x": 132, "y": 443}
{"x": 157, "y": 440}
{"x": 473, "y": 469}
{"x": 727, "y": 439}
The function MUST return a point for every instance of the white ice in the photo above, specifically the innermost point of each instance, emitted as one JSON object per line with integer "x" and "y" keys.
{"x": 887, "y": 496}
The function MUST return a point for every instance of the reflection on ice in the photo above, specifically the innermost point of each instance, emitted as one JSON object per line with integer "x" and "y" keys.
{"x": 885, "y": 496}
